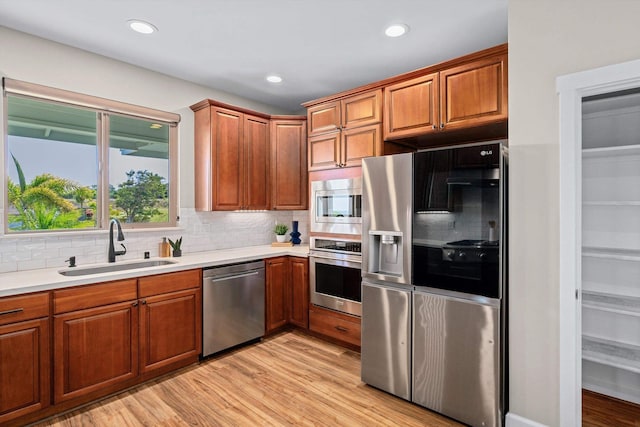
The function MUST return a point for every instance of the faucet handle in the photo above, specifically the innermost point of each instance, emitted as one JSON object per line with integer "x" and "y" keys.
{"x": 123, "y": 251}
{"x": 71, "y": 261}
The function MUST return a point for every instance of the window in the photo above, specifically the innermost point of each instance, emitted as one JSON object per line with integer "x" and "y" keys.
{"x": 73, "y": 162}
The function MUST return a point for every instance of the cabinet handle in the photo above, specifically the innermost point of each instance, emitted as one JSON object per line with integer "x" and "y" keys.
{"x": 134, "y": 304}
{"x": 14, "y": 311}
{"x": 342, "y": 329}
{"x": 441, "y": 125}
{"x": 144, "y": 302}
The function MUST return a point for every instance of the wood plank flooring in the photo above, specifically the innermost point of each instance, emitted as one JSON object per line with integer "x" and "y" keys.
{"x": 604, "y": 411}
{"x": 289, "y": 379}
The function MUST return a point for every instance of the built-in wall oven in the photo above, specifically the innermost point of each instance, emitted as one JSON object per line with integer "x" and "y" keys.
{"x": 336, "y": 206}
{"x": 335, "y": 274}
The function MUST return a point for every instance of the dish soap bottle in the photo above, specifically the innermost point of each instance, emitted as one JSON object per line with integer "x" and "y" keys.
{"x": 165, "y": 248}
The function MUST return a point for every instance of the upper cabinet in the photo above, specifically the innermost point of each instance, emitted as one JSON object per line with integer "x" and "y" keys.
{"x": 344, "y": 131}
{"x": 458, "y": 97}
{"x": 289, "y": 163}
{"x": 464, "y": 99}
{"x": 236, "y": 164}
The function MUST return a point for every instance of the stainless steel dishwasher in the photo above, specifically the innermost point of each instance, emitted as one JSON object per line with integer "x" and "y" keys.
{"x": 233, "y": 305}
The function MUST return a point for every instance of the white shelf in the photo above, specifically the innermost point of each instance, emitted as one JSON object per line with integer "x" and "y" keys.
{"x": 611, "y": 253}
{"x": 611, "y": 353}
{"x": 610, "y": 302}
{"x": 612, "y": 203}
{"x": 620, "y": 150}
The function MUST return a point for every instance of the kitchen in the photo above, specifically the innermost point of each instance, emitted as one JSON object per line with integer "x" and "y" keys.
{"x": 543, "y": 41}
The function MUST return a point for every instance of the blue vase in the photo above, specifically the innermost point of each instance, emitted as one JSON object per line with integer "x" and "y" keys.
{"x": 295, "y": 235}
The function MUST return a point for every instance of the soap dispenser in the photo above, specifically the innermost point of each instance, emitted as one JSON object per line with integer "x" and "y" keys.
{"x": 165, "y": 248}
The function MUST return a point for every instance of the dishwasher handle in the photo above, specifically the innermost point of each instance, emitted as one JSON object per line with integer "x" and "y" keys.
{"x": 232, "y": 276}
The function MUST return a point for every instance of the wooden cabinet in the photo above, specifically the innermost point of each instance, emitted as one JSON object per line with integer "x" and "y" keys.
{"x": 95, "y": 338}
{"x": 112, "y": 335}
{"x": 287, "y": 292}
{"x": 231, "y": 158}
{"x": 411, "y": 107}
{"x": 25, "y": 374}
{"x": 339, "y": 326}
{"x": 456, "y": 97}
{"x": 299, "y": 308}
{"x": 277, "y": 283}
{"x": 289, "y": 163}
{"x": 170, "y": 321}
{"x": 342, "y": 132}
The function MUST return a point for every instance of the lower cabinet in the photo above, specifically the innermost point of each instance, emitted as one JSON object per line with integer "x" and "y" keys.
{"x": 287, "y": 292}
{"x": 276, "y": 293}
{"x": 170, "y": 322}
{"x": 340, "y": 326}
{"x": 95, "y": 340}
{"x": 25, "y": 376}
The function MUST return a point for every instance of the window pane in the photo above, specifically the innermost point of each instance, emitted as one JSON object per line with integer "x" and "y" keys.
{"x": 138, "y": 170}
{"x": 52, "y": 166}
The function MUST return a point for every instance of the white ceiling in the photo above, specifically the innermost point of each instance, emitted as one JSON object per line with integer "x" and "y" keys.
{"x": 319, "y": 47}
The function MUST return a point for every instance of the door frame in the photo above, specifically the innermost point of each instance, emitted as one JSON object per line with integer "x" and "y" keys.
{"x": 572, "y": 88}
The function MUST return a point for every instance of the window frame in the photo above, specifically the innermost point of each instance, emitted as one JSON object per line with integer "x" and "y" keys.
{"x": 104, "y": 108}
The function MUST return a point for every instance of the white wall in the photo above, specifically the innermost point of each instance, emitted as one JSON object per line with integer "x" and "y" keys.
{"x": 40, "y": 61}
{"x": 547, "y": 38}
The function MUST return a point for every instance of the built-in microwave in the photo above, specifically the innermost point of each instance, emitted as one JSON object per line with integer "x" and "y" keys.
{"x": 336, "y": 206}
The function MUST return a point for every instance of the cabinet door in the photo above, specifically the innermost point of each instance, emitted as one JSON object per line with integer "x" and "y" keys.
{"x": 299, "y": 313}
{"x": 94, "y": 349}
{"x": 24, "y": 368}
{"x": 411, "y": 107}
{"x": 228, "y": 159}
{"x": 474, "y": 94}
{"x": 362, "y": 110}
{"x": 170, "y": 330}
{"x": 277, "y": 271}
{"x": 359, "y": 143}
{"x": 324, "y": 151}
{"x": 323, "y": 118}
{"x": 288, "y": 164}
{"x": 256, "y": 166}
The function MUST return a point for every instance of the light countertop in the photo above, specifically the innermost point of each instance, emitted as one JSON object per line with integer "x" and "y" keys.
{"x": 22, "y": 282}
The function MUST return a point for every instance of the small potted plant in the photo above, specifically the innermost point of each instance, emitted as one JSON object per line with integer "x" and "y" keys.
{"x": 176, "y": 247}
{"x": 281, "y": 231}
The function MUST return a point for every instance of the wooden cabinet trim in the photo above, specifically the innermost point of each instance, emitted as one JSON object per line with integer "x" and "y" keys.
{"x": 169, "y": 282}
{"x": 23, "y": 307}
{"x": 82, "y": 297}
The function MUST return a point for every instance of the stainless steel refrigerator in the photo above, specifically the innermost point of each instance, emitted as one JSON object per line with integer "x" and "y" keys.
{"x": 433, "y": 312}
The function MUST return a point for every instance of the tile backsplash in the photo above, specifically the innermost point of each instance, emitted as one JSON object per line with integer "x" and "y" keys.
{"x": 201, "y": 231}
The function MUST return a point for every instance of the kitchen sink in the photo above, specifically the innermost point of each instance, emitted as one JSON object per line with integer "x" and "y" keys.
{"x": 86, "y": 271}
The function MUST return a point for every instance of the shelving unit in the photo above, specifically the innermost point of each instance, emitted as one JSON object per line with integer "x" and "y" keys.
{"x": 611, "y": 245}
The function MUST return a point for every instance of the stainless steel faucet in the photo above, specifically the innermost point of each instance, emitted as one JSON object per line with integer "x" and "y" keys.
{"x": 112, "y": 251}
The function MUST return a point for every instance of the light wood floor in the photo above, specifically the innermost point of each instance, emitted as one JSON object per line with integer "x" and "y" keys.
{"x": 290, "y": 379}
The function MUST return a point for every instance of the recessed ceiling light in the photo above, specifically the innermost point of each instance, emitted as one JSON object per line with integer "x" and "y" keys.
{"x": 274, "y": 79}
{"x": 141, "y": 27}
{"x": 396, "y": 30}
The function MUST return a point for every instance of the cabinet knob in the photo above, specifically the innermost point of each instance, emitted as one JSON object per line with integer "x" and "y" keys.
{"x": 435, "y": 127}
{"x": 338, "y": 165}
{"x": 144, "y": 302}
{"x": 135, "y": 303}
{"x": 441, "y": 125}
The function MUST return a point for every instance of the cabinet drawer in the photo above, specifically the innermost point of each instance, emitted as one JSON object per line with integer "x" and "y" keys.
{"x": 170, "y": 282}
{"x": 94, "y": 295}
{"x": 23, "y": 307}
{"x": 342, "y": 327}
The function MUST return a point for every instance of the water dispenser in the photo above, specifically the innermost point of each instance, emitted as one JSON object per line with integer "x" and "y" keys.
{"x": 385, "y": 254}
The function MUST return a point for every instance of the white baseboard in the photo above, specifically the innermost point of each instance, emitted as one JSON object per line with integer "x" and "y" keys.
{"x": 513, "y": 420}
